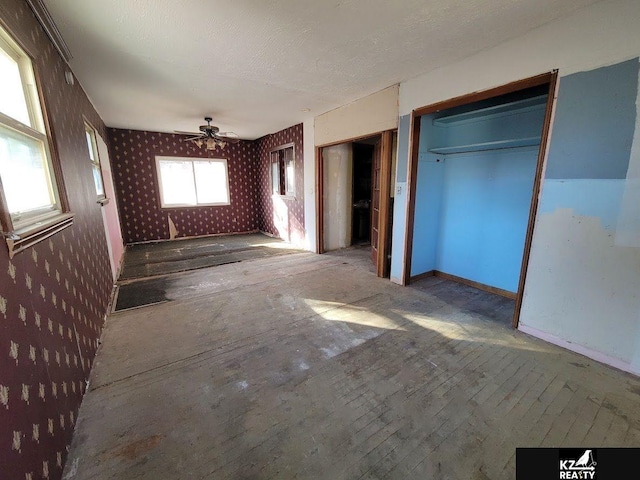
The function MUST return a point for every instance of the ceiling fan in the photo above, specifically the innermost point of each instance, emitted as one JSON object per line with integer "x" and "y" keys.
{"x": 210, "y": 136}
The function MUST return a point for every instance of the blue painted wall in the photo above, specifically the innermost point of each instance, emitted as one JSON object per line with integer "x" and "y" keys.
{"x": 484, "y": 215}
{"x": 428, "y": 213}
{"x": 472, "y": 209}
{"x": 514, "y": 126}
{"x": 594, "y": 123}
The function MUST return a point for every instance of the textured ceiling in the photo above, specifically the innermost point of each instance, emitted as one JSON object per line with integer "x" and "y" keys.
{"x": 255, "y": 65}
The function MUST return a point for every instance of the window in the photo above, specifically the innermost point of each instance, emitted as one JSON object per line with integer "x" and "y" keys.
{"x": 188, "y": 182}
{"x": 31, "y": 207}
{"x": 92, "y": 145}
{"x": 283, "y": 171}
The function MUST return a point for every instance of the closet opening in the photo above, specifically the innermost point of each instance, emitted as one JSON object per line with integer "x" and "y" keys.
{"x": 474, "y": 177}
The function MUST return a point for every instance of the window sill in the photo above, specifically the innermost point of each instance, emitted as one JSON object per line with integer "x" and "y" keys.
{"x": 201, "y": 205}
{"x": 23, "y": 238}
{"x": 283, "y": 197}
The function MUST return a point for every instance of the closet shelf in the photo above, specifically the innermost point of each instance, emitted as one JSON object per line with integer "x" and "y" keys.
{"x": 495, "y": 145}
{"x": 496, "y": 111}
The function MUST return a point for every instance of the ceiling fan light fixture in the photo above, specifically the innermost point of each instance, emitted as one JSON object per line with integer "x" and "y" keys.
{"x": 211, "y": 144}
{"x": 210, "y": 138}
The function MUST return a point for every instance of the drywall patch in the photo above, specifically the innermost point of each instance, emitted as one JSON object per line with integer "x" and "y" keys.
{"x": 581, "y": 287}
{"x": 368, "y": 115}
{"x": 587, "y": 197}
{"x": 598, "y": 107}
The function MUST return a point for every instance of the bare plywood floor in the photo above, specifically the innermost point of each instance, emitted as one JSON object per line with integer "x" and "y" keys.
{"x": 310, "y": 367}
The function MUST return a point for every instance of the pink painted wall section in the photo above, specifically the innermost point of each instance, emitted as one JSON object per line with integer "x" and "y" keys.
{"x": 133, "y": 154}
{"x": 53, "y": 296}
{"x": 110, "y": 210}
{"x": 280, "y": 216}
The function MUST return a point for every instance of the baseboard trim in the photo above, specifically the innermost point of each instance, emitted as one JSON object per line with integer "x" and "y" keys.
{"x": 420, "y": 276}
{"x": 582, "y": 350}
{"x": 465, "y": 281}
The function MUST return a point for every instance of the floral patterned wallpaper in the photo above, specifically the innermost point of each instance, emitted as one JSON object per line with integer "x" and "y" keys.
{"x": 53, "y": 296}
{"x": 133, "y": 155}
{"x": 279, "y": 216}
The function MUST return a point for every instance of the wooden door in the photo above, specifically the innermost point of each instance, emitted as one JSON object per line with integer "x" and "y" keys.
{"x": 375, "y": 205}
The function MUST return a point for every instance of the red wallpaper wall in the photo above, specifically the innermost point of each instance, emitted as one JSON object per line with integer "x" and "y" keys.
{"x": 53, "y": 296}
{"x": 279, "y": 216}
{"x": 133, "y": 155}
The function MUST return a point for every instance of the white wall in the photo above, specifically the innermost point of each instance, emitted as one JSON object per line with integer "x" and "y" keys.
{"x": 338, "y": 183}
{"x": 309, "y": 155}
{"x": 584, "y": 297}
{"x": 368, "y": 115}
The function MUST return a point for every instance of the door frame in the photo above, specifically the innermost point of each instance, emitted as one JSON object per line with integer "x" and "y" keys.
{"x": 386, "y": 145}
{"x": 549, "y": 78}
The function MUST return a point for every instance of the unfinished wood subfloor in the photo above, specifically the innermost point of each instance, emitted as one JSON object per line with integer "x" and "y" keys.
{"x": 310, "y": 367}
{"x": 155, "y": 272}
{"x": 184, "y": 254}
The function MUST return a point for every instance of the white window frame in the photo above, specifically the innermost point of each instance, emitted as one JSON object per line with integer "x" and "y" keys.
{"x": 193, "y": 160}
{"x": 282, "y": 184}
{"x": 92, "y": 146}
{"x": 24, "y": 229}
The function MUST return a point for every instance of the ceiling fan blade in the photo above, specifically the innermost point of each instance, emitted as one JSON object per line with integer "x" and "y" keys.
{"x": 228, "y": 137}
{"x": 194, "y": 138}
{"x": 186, "y": 133}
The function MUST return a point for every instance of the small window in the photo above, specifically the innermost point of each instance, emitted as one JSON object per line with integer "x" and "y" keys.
{"x": 92, "y": 146}
{"x": 283, "y": 171}
{"x": 189, "y": 182}
{"x": 30, "y": 195}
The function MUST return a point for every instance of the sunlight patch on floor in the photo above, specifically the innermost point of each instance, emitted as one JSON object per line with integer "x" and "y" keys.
{"x": 342, "y": 312}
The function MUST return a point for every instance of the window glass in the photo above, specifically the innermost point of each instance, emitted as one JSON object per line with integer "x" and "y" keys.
{"x": 289, "y": 172}
{"x": 28, "y": 180}
{"x": 94, "y": 158}
{"x": 89, "y": 144}
{"x": 192, "y": 182}
{"x": 211, "y": 182}
{"x": 24, "y": 172}
{"x": 12, "y": 99}
{"x": 97, "y": 180}
{"x": 275, "y": 174}
{"x": 283, "y": 171}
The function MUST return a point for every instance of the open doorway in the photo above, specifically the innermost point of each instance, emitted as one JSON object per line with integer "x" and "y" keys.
{"x": 475, "y": 170}
{"x": 354, "y": 196}
{"x": 362, "y": 193}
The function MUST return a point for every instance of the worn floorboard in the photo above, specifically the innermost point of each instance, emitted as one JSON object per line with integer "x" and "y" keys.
{"x": 181, "y": 255}
{"x": 151, "y": 270}
{"x": 309, "y": 367}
